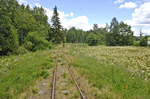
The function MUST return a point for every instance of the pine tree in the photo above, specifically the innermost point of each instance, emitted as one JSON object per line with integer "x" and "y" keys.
{"x": 57, "y": 35}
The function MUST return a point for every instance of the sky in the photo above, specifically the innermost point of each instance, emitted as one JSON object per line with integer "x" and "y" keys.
{"x": 82, "y": 14}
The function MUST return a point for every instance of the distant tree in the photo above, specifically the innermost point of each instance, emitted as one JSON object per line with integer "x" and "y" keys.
{"x": 126, "y": 33}
{"x": 57, "y": 35}
{"x": 119, "y": 34}
{"x": 143, "y": 39}
{"x": 95, "y": 27}
{"x": 113, "y": 37}
{"x": 74, "y": 35}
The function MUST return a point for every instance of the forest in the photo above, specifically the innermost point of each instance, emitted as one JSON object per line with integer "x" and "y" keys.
{"x": 24, "y": 29}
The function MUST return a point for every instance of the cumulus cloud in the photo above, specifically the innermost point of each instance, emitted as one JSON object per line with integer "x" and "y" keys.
{"x": 80, "y": 22}
{"x": 118, "y": 1}
{"x": 23, "y": 2}
{"x": 128, "y": 5}
{"x": 141, "y": 17}
{"x": 37, "y": 4}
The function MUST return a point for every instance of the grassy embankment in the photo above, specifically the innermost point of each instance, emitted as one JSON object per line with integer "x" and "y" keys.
{"x": 118, "y": 72}
{"x": 18, "y": 73}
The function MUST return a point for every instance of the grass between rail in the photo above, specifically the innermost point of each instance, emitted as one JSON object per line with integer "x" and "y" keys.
{"x": 18, "y": 73}
{"x": 114, "y": 81}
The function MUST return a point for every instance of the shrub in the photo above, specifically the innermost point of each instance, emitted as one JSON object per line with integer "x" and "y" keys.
{"x": 136, "y": 43}
{"x": 92, "y": 40}
{"x": 22, "y": 50}
{"x": 143, "y": 41}
{"x": 36, "y": 42}
{"x": 44, "y": 74}
{"x": 28, "y": 45}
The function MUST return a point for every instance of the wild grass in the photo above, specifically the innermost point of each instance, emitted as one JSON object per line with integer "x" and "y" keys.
{"x": 18, "y": 73}
{"x": 119, "y": 72}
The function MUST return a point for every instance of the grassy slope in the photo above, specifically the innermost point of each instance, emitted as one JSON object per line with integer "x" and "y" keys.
{"x": 18, "y": 73}
{"x": 108, "y": 69}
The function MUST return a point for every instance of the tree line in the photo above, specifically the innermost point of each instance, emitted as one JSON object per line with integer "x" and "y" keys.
{"x": 115, "y": 34}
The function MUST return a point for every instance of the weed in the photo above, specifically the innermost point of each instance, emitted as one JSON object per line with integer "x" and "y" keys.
{"x": 34, "y": 90}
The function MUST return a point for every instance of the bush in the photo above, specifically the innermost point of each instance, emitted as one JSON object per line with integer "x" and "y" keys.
{"x": 143, "y": 41}
{"x": 36, "y": 42}
{"x": 92, "y": 40}
{"x": 136, "y": 43}
{"x": 22, "y": 50}
{"x": 44, "y": 74}
{"x": 41, "y": 45}
{"x": 28, "y": 45}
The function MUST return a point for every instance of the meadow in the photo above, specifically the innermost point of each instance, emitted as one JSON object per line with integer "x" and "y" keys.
{"x": 118, "y": 72}
{"x": 19, "y": 73}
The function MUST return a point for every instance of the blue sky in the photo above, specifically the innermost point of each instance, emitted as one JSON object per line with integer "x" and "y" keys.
{"x": 84, "y": 13}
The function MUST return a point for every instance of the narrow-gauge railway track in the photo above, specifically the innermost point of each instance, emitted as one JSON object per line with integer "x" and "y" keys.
{"x": 54, "y": 81}
{"x": 77, "y": 85}
{"x": 72, "y": 76}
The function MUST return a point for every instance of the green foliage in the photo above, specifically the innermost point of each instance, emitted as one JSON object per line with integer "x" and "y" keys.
{"x": 34, "y": 90}
{"x": 22, "y": 50}
{"x": 113, "y": 36}
{"x": 44, "y": 74}
{"x": 36, "y": 42}
{"x": 126, "y": 34}
{"x": 8, "y": 36}
{"x": 136, "y": 43}
{"x": 74, "y": 35}
{"x": 92, "y": 40}
{"x": 28, "y": 45}
{"x": 143, "y": 41}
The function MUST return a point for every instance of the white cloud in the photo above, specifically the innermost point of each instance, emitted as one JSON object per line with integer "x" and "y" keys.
{"x": 23, "y": 2}
{"x": 118, "y": 1}
{"x": 37, "y": 4}
{"x": 68, "y": 20}
{"x": 141, "y": 18}
{"x": 128, "y": 5}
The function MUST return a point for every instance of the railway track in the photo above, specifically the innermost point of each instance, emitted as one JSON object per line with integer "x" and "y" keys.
{"x": 54, "y": 81}
{"x": 77, "y": 85}
{"x": 53, "y": 90}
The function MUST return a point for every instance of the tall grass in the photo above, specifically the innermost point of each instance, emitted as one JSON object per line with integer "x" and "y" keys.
{"x": 18, "y": 73}
{"x": 113, "y": 69}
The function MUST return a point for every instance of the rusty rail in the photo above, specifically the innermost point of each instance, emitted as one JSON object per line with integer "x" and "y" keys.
{"x": 77, "y": 85}
{"x": 54, "y": 81}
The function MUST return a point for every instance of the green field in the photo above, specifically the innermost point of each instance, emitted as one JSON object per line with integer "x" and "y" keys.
{"x": 118, "y": 72}
{"x": 18, "y": 73}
